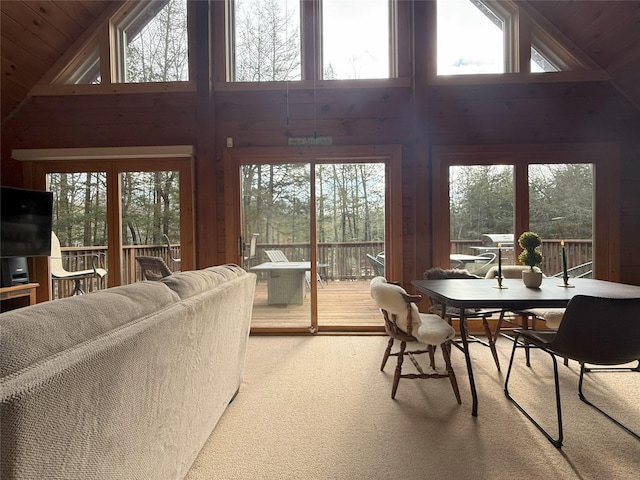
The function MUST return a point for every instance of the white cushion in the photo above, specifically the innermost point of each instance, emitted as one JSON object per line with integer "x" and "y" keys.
{"x": 428, "y": 328}
{"x": 551, "y": 316}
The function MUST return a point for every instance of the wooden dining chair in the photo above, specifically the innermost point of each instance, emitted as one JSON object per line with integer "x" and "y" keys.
{"x": 404, "y": 323}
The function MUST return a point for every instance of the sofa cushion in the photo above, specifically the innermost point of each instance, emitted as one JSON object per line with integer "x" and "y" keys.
{"x": 30, "y": 335}
{"x": 190, "y": 283}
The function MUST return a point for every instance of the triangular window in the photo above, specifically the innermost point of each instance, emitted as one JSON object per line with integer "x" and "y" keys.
{"x": 148, "y": 42}
{"x": 481, "y": 36}
{"x": 88, "y": 69}
{"x": 152, "y": 43}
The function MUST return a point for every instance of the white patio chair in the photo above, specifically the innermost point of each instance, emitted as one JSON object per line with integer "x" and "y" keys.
{"x": 58, "y": 272}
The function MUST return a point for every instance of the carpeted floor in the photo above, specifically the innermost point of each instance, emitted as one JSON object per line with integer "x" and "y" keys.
{"x": 320, "y": 408}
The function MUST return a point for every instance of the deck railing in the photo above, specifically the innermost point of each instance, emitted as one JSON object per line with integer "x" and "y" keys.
{"x": 338, "y": 260}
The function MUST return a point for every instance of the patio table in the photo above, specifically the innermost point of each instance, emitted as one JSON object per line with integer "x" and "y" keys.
{"x": 287, "y": 281}
{"x": 481, "y": 293}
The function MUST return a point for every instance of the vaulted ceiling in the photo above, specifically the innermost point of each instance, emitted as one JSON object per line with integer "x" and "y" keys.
{"x": 36, "y": 33}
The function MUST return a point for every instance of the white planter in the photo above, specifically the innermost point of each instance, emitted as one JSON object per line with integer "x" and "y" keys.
{"x": 531, "y": 279}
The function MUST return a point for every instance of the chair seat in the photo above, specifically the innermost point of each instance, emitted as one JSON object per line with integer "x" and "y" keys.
{"x": 100, "y": 272}
{"x": 594, "y": 330}
{"x": 433, "y": 330}
{"x": 551, "y": 316}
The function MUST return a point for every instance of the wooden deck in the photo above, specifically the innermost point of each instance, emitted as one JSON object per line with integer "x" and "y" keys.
{"x": 343, "y": 306}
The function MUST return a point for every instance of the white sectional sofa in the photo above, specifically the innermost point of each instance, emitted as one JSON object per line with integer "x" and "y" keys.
{"x": 125, "y": 383}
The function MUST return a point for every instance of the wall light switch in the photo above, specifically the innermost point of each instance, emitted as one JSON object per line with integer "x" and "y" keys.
{"x": 229, "y": 142}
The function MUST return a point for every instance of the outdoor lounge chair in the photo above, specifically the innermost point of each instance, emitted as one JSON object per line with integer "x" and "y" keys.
{"x": 58, "y": 272}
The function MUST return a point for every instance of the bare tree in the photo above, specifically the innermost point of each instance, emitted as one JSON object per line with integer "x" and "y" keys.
{"x": 267, "y": 42}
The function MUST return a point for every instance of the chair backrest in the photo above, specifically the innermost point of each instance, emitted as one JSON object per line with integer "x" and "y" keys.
{"x": 276, "y": 255}
{"x": 153, "y": 268}
{"x": 168, "y": 242}
{"x": 602, "y": 331}
{"x": 437, "y": 273}
{"x": 55, "y": 261}
{"x": 397, "y": 307}
{"x": 508, "y": 271}
{"x": 252, "y": 245}
{"x": 377, "y": 265}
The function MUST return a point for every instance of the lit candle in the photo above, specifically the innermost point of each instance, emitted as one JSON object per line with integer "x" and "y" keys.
{"x": 564, "y": 260}
{"x": 500, "y": 260}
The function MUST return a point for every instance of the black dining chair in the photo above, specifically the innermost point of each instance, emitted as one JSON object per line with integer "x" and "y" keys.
{"x": 594, "y": 331}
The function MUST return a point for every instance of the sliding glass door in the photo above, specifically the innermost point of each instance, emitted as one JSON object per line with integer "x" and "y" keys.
{"x": 315, "y": 232}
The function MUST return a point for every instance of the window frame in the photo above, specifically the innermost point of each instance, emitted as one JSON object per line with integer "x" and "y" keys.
{"x": 524, "y": 28}
{"x": 605, "y": 158}
{"x": 400, "y": 70}
{"x": 38, "y": 163}
{"x": 104, "y": 34}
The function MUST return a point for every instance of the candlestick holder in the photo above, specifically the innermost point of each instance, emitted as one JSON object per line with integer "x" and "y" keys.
{"x": 499, "y": 285}
{"x": 565, "y": 284}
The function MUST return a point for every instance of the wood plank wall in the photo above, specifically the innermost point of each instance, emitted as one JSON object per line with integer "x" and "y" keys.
{"x": 457, "y": 115}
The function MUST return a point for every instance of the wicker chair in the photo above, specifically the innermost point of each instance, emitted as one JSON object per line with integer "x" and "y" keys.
{"x": 153, "y": 268}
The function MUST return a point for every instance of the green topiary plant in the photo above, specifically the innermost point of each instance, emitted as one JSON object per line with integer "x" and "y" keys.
{"x": 530, "y": 255}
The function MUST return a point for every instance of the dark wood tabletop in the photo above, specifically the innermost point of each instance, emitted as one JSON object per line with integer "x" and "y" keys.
{"x": 481, "y": 293}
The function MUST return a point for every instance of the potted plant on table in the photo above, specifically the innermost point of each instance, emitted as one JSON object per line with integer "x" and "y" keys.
{"x": 531, "y": 256}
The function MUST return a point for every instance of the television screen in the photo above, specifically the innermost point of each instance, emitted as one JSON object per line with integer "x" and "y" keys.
{"x": 25, "y": 222}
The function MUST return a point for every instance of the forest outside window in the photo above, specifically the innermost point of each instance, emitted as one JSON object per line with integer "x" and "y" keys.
{"x": 143, "y": 42}
{"x": 152, "y": 43}
{"x": 273, "y": 40}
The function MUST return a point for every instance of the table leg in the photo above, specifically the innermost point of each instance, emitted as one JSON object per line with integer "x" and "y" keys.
{"x": 467, "y": 357}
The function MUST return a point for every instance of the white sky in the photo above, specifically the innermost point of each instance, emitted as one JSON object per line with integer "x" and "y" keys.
{"x": 356, "y": 42}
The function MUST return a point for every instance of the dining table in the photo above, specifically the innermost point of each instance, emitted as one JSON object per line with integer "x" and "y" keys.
{"x": 514, "y": 295}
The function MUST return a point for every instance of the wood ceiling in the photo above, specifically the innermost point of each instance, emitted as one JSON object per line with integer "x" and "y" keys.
{"x": 36, "y": 33}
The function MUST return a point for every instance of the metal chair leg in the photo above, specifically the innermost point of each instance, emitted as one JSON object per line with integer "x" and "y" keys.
{"x": 556, "y": 442}
{"x": 585, "y": 400}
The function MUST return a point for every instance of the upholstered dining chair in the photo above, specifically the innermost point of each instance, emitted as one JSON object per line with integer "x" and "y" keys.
{"x": 453, "y": 314}
{"x": 153, "y": 268}
{"x": 403, "y": 322}
{"x": 594, "y": 331}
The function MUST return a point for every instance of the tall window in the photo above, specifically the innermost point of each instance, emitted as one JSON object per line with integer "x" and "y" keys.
{"x": 355, "y": 39}
{"x": 346, "y": 39}
{"x": 470, "y": 38}
{"x": 266, "y": 40}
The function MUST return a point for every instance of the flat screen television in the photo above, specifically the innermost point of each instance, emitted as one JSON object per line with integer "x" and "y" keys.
{"x": 25, "y": 222}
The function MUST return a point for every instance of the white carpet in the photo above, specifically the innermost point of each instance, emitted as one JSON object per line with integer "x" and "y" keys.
{"x": 319, "y": 408}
